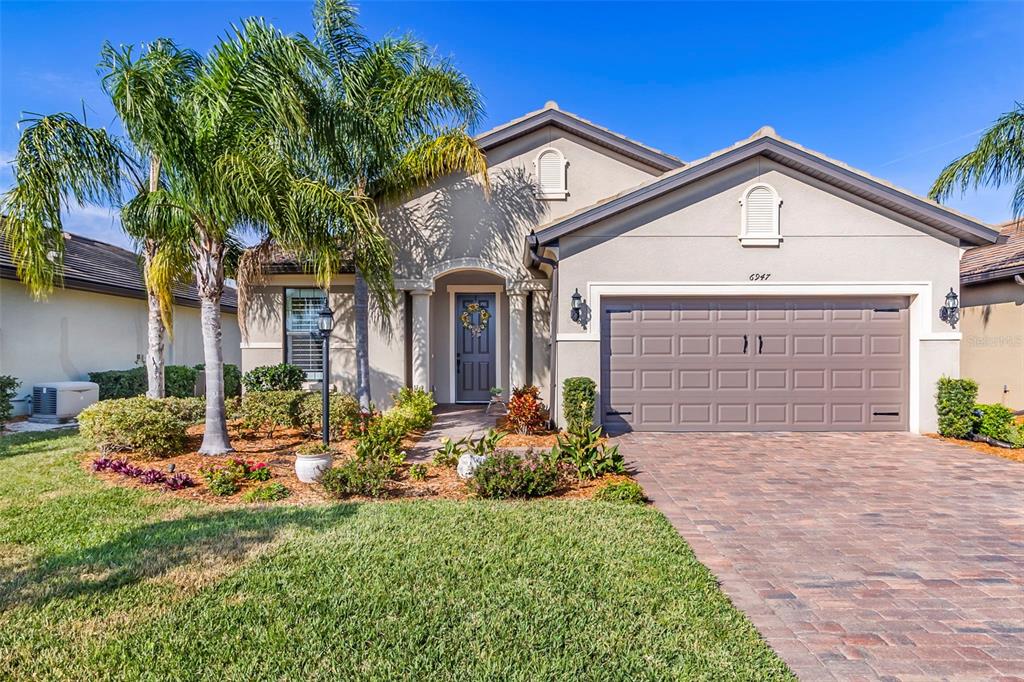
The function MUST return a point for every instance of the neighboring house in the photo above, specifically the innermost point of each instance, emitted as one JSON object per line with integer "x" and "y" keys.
{"x": 992, "y": 296}
{"x": 764, "y": 287}
{"x": 96, "y": 321}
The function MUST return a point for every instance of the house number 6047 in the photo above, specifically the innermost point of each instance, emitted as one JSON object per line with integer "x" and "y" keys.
{"x": 760, "y": 276}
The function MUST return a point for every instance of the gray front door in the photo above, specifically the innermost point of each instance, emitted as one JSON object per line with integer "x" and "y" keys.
{"x": 755, "y": 364}
{"x": 474, "y": 348}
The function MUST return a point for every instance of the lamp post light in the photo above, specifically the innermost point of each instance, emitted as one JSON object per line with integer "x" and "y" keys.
{"x": 576, "y": 306}
{"x": 325, "y": 325}
{"x": 950, "y": 313}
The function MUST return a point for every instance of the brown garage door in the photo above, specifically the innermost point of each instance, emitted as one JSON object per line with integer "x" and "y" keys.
{"x": 762, "y": 365}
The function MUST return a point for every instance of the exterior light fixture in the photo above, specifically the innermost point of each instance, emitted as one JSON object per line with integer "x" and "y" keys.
{"x": 576, "y": 306}
{"x": 950, "y": 313}
{"x": 325, "y": 325}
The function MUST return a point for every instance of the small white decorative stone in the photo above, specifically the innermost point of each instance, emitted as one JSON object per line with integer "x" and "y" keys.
{"x": 468, "y": 464}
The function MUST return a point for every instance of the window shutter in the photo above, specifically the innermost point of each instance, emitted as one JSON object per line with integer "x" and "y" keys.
{"x": 303, "y": 308}
{"x": 551, "y": 172}
{"x": 760, "y": 207}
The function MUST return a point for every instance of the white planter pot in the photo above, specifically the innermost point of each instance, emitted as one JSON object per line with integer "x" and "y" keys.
{"x": 309, "y": 468}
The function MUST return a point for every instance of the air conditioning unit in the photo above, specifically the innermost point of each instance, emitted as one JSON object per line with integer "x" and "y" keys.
{"x": 61, "y": 401}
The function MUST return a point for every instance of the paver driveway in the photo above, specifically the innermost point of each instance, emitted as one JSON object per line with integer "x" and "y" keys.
{"x": 855, "y": 555}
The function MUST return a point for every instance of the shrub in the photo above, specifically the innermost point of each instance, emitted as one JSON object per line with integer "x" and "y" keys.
{"x": 358, "y": 477}
{"x": 268, "y": 411}
{"x": 133, "y": 424}
{"x": 232, "y": 379}
{"x": 383, "y": 439}
{"x": 221, "y": 480}
{"x": 179, "y": 482}
{"x": 578, "y": 397}
{"x": 505, "y": 475}
{"x": 629, "y": 492}
{"x": 270, "y": 492}
{"x": 418, "y": 472}
{"x": 283, "y": 377}
{"x": 588, "y": 455}
{"x": 188, "y": 410}
{"x": 153, "y": 477}
{"x": 448, "y": 455}
{"x": 955, "y": 406}
{"x": 417, "y": 405}
{"x": 179, "y": 381}
{"x": 249, "y": 469}
{"x": 343, "y": 411}
{"x": 996, "y": 421}
{"x": 120, "y": 383}
{"x": 8, "y": 389}
{"x": 486, "y": 444}
{"x": 526, "y": 412}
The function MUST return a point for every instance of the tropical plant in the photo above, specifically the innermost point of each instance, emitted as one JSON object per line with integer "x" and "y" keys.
{"x": 588, "y": 455}
{"x": 60, "y": 159}
{"x": 447, "y": 456}
{"x": 393, "y": 118}
{"x": 628, "y": 492}
{"x": 486, "y": 444}
{"x": 526, "y": 413}
{"x": 8, "y": 389}
{"x": 997, "y": 160}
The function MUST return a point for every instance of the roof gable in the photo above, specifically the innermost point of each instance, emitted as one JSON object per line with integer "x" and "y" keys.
{"x": 765, "y": 142}
{"x": 1003, "y": 259}
{"x": 551, "y": 115}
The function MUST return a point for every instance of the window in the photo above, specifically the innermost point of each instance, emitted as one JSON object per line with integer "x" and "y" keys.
{"x": 550, "y": 166}
{"x": 760, "y": 223}
{"x": 301, "y": 308}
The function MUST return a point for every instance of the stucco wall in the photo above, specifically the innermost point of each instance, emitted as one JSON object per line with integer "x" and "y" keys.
{"x": 691, "y": 237}
{"x": 73, "y": 333}
{"x": 992, "y": 352}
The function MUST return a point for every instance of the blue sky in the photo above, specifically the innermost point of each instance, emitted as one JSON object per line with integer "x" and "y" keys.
{"x": 895, "y": 89}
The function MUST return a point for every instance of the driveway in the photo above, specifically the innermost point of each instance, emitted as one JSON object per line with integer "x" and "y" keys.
{"x": 855, "y": 555}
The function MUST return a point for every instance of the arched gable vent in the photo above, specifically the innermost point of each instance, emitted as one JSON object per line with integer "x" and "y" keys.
{"x": 760, "y": 222}
{"x": 550, "y": 167}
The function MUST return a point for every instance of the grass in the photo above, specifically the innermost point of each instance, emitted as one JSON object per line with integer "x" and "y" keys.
{"x": 99, "y": 582}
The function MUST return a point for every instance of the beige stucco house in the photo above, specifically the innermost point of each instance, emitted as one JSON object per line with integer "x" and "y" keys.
{"x": 763, "y": 287}
{"x": 992, "y": 293}
{"x": 96, "y": 321}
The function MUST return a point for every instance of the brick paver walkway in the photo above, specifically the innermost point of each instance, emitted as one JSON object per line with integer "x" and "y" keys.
{"x": 857, "y": 556}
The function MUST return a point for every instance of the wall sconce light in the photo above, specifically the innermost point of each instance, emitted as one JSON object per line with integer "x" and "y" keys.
{"x": 950, "y": 313}
{"x": 576, "y": 306}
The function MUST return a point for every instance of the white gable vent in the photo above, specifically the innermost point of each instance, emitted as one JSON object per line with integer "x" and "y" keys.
{"x": 760, "y": 223}
{"x": 550, "y": 167}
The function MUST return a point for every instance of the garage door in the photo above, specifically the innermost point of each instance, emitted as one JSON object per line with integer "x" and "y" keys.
{"x": 762, "y": 365}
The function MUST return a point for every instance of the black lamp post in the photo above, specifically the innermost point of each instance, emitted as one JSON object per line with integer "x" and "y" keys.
{"x": 325, "y": 324}
{"x": 950, "y": 313}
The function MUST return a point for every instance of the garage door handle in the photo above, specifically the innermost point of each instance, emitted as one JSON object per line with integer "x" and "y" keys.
{"x": 744, "y": 344}
{"x": 618, "y": 413}
{"x": 760, "y": 344}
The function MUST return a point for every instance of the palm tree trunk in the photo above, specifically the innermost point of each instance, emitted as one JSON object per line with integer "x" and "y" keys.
{"x": 210, "y": 284}
{"x": 155, "y": 324}
{"x": 362, "y": 310}
{"x": 155, "y": 328}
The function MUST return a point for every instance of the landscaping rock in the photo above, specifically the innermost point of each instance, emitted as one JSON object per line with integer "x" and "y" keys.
{"x": 468, "y": 464}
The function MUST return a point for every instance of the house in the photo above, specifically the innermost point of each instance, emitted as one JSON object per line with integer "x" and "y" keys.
{"x": 992, "y": 320}
{"x": 763, "y": 287}
{"x": 96, "y": 321}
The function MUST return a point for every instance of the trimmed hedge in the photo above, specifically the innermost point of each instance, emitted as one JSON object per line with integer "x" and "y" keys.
{"x": 954, "y": 403}
{"x": 282, "y": 377}
{"x": 179, "y": 381}
{"x": 133, "y": 424}
{"x": 996, "y": 421}
{"x": 578, "y": 397}
{"x": 344, "y": 414}
{"x": 232, "y": 379}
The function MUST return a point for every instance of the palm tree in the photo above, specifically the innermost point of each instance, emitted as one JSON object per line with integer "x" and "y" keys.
{"x": 232, "y": 150}
{"x": 393, "y": 118}
{"x": 60, "y": 158}
{"x": 998, "y": 159}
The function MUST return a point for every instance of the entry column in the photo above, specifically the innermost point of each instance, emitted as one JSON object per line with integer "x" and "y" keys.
{"x": 421, "y": 338}
{"x": 517, "y": 338}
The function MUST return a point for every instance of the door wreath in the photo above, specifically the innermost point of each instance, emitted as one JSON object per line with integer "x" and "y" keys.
{"x": 483, "y": 315}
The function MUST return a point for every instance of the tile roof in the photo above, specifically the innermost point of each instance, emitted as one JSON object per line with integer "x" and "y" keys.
{"x": 91, "y": 265}
{"x": 1005, "y": 258}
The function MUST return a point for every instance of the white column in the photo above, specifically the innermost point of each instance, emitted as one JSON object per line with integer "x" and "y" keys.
{"x": 517, "y": 339}
{"x": 421, "y": 338}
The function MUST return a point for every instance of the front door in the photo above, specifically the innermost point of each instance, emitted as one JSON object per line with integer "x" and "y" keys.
{"x": 474, "y": 347}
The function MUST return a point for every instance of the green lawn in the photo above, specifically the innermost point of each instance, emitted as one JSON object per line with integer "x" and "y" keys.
{"x": 98, "y": 582}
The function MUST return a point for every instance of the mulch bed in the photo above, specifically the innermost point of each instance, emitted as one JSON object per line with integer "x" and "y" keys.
{"x": 1015, "y": 455}
{"x": 278, "y": 453}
